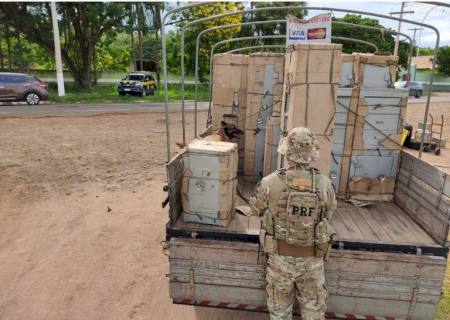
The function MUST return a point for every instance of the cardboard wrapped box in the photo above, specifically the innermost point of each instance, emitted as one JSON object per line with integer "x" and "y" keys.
{"x": 312, "y": 77}
{"x": 208, "y": 191}
{"x": 264, "y": 90}
{"x": 372, "y": 137}
{"x": 229, "y": 94}
{"x": 273, "y": 135}
{"x": 375, "y": 70}
{"x": 368, "y": 70}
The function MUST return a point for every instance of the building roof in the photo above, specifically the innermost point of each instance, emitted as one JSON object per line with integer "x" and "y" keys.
{"x": 422, "y": 62}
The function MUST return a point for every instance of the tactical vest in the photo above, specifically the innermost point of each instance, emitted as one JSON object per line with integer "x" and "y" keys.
{"x": 299, "y": 219}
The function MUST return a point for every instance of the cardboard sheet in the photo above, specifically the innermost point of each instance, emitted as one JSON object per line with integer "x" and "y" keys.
{"x": 264, "y": 90}
{"x": 312, "y": 76}
{"x": 368, "y": 189}
{"x": 229, "y": 94}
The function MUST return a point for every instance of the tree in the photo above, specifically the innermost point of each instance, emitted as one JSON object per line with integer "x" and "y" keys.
{"x": 173, "y": 52}
{"x": 425, "y": 51}
{"x": 83, "y": 25}
{"x": 155, "y": 9}
{"x": 271, "y": 29}
{"x": 113, "y": 54}
{"x": 384, "y": 41}
{"x": 443, "y": 60}
{"x": 212, "y": 37}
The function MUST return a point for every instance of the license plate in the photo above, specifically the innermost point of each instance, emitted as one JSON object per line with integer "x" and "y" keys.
{"x": 126, "y": 89}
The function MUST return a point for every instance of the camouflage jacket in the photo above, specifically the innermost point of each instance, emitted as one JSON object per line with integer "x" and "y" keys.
{"x": 270, "y": 191}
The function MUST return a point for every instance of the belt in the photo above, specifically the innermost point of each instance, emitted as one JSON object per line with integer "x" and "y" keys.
{"x": 285, "y": 249}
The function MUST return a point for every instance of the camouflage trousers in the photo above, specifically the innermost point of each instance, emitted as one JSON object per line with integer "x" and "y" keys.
{"x": 303, "y": 277}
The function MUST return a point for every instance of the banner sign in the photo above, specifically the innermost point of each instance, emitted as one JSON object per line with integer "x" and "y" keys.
{"x": 314, "y": 30}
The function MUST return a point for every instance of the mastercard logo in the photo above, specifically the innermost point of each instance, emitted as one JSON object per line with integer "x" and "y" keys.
{"x": 317, "y": 33}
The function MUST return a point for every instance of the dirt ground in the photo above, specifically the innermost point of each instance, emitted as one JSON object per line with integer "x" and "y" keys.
{"x": 415, "y": 113}
{"x": 81, "y": 219}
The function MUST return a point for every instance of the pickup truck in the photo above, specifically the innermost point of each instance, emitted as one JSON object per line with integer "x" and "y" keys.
{"x": 388, "y": 260}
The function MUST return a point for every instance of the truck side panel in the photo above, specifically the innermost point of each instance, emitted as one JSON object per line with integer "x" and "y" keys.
{"x": 174, "y": 180}
{"x": 370, "y": 283}
{"x": 423, "y": 191}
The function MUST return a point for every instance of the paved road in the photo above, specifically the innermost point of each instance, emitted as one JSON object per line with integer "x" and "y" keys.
{"x": 423, "y": 99}
{"x": 106, "y": 80}
{"x": 61, "y": 110}
{"x": 82, "y": 109}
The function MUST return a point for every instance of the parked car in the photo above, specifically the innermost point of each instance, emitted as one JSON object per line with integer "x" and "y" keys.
{"x": 137, "y": 83}
{"x": 22, "y": 87}
{"x": 415, "y": 88}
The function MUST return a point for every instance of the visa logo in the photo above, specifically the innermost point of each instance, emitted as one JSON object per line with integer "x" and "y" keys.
{"x": 297, "y": 35}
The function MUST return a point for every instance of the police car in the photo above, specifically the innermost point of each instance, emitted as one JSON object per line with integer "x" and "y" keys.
{"x": 137, "y": 83}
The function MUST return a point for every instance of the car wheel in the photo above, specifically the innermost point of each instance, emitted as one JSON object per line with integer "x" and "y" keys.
{"x": 417, "y": 94}
{"x": 32, "y": 98}
{"x": 152, "y": 92}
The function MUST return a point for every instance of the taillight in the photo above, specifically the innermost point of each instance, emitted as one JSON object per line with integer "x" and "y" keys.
{"x": 42, "y": 84}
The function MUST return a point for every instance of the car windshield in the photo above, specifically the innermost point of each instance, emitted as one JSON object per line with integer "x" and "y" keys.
{"x": 134, "y": 77}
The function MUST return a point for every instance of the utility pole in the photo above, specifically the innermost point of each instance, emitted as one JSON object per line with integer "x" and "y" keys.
{"x": 420, "y": 33}
{"x": 414, "y": 34}
{"x": 397, "y": 37}
{"x": 133, "y": 57}
{"x": 58, "y": 61}
{"x": 415, "y": 45}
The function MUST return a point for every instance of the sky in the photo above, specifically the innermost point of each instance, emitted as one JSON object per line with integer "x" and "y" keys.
{"x": 438, "y": 17}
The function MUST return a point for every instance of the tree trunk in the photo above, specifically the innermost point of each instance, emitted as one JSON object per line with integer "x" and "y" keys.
{"x": 157, "y": 17}
{"x": 76, "y": 73}
{"x": 2, "y": 62}
{"x": 8, "y": 44}
{"x": 133, "y": 57}
{"x": 87, "y": 64}
{"x": 141, "y": 51}
{"x": 94, "y": 64}
{"x": 19, "y": 53}
{"x": 141, "y": 23}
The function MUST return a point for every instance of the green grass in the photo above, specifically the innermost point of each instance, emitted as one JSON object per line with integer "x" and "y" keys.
{"x": 107, "y": 93}
{"x": 443, "y": 312}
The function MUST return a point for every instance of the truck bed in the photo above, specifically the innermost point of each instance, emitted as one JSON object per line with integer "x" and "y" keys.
{"x": 383, "y": 222}
{"x": 387, "y": 260}
{"x": 383, "y": 225}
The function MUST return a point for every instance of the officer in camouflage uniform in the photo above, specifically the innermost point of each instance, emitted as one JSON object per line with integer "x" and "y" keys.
{"x": 296, "y": 204}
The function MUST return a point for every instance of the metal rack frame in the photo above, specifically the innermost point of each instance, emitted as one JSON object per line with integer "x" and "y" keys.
{"x": 280, "y": 36}
{"x": 262, "y": 46}
{"x": 240, "y": 12}
{"x": 201, "y": 33}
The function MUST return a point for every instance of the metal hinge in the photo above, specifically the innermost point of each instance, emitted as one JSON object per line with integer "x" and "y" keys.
{"x": 191, "y": 289}
{"x": 413, "y": 302}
